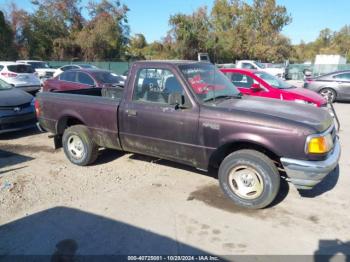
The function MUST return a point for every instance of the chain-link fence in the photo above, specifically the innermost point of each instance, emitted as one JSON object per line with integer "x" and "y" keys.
{"x": 117, "y": 67}
{"x": 295, "y": 71}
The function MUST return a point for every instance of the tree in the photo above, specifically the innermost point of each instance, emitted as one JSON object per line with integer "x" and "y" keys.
{"x": 191, "y": 33}
{"x": 137, "y": 44}
{"x": 250, "y": 31}
{"x": 7, "y": 47}
{"x": 328, "y": 42}
{"x": 105, "y": 36}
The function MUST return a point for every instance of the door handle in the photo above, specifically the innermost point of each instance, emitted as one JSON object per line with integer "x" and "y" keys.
{"x": 131, "y": 112}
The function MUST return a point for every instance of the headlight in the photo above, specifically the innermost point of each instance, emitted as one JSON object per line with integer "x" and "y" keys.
{"x": 32, "y": 103}
{"x": 319, "y": 144}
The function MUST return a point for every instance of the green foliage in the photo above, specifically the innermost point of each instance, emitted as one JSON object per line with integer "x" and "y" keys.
{"x": 191, "y": 33}
{"x": 231, "y": 30}
{"x": 328, "y": 42}
{"x": 250, "y": 31}
{"x": 57, "y": 30}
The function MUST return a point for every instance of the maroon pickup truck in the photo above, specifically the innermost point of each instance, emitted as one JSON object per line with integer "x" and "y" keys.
{"x": 189, "y": 112}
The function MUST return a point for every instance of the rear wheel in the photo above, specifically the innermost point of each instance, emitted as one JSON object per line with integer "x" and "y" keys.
{"x": 78, "y": 145}
{"x": 249, "y": 178}
{"x": 329, "y": 94}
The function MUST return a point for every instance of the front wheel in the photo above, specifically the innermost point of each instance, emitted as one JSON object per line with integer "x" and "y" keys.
{"x": 249, "y": 178}
{"x": 78, "y": 145}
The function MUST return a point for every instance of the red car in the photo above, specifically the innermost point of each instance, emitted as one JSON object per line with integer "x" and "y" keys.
{"x": 259, "y": 83}
{"x": 82, "y": 79}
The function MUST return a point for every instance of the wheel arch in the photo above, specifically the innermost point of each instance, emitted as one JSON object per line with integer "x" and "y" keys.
{"x": 67, "y": 121}
{"x": 224, "y": 150}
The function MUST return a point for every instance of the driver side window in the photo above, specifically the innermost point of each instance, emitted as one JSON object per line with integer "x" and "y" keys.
{"x": 155, "y": 85}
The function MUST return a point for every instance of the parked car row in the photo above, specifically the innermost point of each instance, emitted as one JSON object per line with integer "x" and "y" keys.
{"x": 21, "y": 76}
{"x": 22, "y": 79}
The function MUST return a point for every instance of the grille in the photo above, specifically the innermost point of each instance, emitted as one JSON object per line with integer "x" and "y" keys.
{"x": 12, "y": 108}
{"x": 17, "y": 124}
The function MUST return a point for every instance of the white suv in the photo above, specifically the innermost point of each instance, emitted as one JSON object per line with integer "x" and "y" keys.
{"x": 42, "y": 68}
{"x": 20, "y": 76}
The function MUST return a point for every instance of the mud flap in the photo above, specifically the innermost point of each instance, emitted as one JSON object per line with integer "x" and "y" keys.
{"x": 57, "y": 141}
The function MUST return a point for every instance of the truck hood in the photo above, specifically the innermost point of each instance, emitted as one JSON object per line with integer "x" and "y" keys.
{"x": 307, "y": 95}
{"x": 14, "y": 97}
{"x": 309, "y": 116}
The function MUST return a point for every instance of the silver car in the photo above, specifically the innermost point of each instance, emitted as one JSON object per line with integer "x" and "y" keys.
{"x": 333, "y": 86}
{"x": 19, "y": 75}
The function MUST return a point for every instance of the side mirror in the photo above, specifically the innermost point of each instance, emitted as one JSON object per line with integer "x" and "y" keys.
{"x": 177, "y": 100}
{"x": 256, "y": 87}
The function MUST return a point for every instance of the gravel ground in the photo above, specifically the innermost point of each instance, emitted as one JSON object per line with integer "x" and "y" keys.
{"x": 132, "y": 204}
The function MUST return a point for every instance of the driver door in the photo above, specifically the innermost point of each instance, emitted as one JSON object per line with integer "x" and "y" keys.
{"x": 150, "y": 125}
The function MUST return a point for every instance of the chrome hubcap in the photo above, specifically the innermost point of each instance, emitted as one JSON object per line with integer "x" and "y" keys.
{"x": 76, "y": 147}
{"x": 246, "y": 182}
{"x": 328, "y": 95}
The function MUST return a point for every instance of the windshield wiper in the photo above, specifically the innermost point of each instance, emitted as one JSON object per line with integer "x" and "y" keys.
{"x": 239, "y": 95}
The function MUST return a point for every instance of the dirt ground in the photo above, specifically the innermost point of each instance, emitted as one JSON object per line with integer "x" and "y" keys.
{"x": 132, "y": 204}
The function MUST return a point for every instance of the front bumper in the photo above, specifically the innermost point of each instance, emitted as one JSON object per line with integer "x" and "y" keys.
{"x": 307, "y": 174}
{"x": 18, "y": 122}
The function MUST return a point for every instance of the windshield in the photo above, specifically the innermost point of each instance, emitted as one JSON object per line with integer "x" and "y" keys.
{"x": 207, "y": 82}
{"x": 273, "y": 80}
{"x": 36, "y": 65}
{"x": 108, "y": 77}
{"x": 4, "y": 85}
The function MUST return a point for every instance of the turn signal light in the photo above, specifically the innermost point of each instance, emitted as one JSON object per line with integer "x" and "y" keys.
{"x": 320, "y": 145}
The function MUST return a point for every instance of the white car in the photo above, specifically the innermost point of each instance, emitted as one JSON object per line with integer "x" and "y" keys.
{"x": 255, "y": 65}
{"x": 73, "y": 66}
{"x": 19, "y": 75}
{"x": 43, "y": 70}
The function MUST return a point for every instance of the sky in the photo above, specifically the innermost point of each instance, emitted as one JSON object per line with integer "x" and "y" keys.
{"x": 150, "y": 17}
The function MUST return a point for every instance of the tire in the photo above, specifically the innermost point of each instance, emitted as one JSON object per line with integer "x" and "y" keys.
{"x": 249, "y": 178}
{"x": 78, "y": 146}
{"x": 329, "y": 94}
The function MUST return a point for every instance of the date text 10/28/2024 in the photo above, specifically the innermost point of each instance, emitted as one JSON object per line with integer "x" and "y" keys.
{"x": 174, "y": 258}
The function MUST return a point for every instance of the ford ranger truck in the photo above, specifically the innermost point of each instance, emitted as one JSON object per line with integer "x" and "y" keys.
{"x": 189, "y": 112}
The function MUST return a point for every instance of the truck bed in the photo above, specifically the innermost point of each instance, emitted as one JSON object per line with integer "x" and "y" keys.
{"x": 96, "y": 108}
